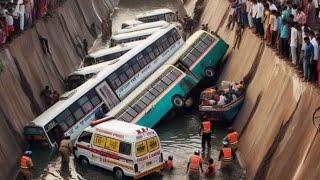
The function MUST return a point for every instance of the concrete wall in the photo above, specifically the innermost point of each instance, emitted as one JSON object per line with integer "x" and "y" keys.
{"x": 278, "y": 139}
{"x": 28, "y": 69}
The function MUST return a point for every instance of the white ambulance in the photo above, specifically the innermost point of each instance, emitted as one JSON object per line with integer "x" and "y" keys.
{"x": 125, "y": 149}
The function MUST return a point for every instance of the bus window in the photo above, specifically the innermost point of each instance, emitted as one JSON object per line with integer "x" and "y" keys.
{"x": 145, "y": 100}
{"x": 153, "y": 144}
{"x": 132, "y": 112}
{"x": 85, "y": 104}
{"x": 149, "y": 95}
{"x": 88, "y": 61}
{"x": 126, "y": 116}
{"x": 125, "y": 148}
{"x": 141, "y": 148}
{"x": 94, "y": 98}
{"x": 195, "y": 52}
{"x": 85, "y": 137}
{"x": 154, "y": 91}
{"x": 166, "y": 80}
{"x": 136, "y": 108}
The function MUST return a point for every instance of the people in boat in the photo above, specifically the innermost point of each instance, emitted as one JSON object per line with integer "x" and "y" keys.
{"x": 226, "y": 155}
{"x": 232, "y": 139}
{"x": 169, "y": 163}
{"x": 211, "y": 170}
{"x": 195, "y": 164}
{"x": 222, "y": 100}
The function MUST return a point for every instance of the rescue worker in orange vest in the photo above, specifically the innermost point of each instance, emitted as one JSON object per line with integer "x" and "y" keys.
{"x": 205, "y": 133}
{"x": 195, "y": 164}
{"x": 65, "y": 148}
{"x": 232, "y": 138}
{"x": 211, "y": 169}
{"x": 26, "y": 165}
{"x": 169, "y": 163}
{"x": 226, "y": 155}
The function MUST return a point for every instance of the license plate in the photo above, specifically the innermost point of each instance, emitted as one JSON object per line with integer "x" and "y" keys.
{"x": 149, "y": 163}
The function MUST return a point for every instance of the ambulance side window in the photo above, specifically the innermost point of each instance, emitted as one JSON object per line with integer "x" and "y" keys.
{"x": 85, "y": 137}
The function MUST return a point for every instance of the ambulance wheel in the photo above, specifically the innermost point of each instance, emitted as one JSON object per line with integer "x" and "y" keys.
{"x": 209, "y": 72}
{"x": 118, "y": 173}
{"x": 178, "y": 101}
{"x": 83, "y": 161}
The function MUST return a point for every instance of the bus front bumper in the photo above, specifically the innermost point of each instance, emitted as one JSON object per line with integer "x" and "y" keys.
{"x": 149, "y": 171}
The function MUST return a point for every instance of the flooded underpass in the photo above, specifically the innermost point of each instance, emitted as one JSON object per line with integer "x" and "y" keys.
{"x": 179, "y": 134}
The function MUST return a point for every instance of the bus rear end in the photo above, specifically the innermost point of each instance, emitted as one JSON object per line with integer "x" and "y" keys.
{"x": 148, "y": 153}
{"x": 36, "y": 136}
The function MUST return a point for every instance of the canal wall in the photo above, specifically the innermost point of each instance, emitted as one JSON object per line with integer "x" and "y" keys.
{"x": 26, "y": 69}
{"x": 277, "y": 137}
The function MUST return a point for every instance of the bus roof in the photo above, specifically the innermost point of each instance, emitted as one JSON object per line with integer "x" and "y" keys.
{"x": 62, "y": 104}
{"x": 93, "y": 68}
{"x": 154, "y": 13}
{"x": 129, "y": 131}
{"x": 175, "y": 57}
{"x": 118, "y": 48}
{"x": 139, "y": 27}
{"x": 135, "y": 34}
{"x": 132, "y": 22}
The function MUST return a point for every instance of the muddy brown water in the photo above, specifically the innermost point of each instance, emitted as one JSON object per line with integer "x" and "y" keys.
{"x": 178, "y": 134}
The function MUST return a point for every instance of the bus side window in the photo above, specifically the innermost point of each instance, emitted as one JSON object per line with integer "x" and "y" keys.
{"x": 85, "y": 104}
{"x": 85, "y": 137}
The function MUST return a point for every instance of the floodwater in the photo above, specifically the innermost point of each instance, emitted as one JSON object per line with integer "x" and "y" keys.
{"x": 178, "y": 134}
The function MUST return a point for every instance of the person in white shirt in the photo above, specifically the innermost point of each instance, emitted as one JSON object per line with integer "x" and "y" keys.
{"x": 314, "y": 63}
{"x": 294, "y": 43}
{"x": 222, "y": 100}
{"x": 253, "y": 13}
{"x": 20, "y": 8}
{"x": 259, "y": 15}
{"x": 273, "y": 27}
{"x": 294, "y": 12}
{"x": 316, "y": 5}
{"x": 249, "y": 11}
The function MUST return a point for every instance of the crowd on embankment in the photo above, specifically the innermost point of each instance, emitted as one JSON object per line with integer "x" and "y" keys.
{"x": 288, "y": 27}
{"x": 19, "y": 15}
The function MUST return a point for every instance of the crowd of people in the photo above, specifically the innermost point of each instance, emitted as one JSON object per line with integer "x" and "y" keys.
{"x": 289, "y": 27}
{"x": 18, "y": 15}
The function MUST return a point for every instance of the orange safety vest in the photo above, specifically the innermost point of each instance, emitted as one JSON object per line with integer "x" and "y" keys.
{"x": 233, "y": 138}
{"x": 226, "y": 154}
{"x": 208, "y": 173}
{"x": 169, "y": 164}
{"x": 206, "y": 127}
{"x": 24, "y": 162}
{"x": 194, "y": 162}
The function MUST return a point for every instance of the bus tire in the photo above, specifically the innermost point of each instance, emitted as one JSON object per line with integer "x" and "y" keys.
{"x": 178, "y": 101}
{"x": 84, "y": 161}
{"x": 209, "y": 72}
{"x": 118, "y": 173}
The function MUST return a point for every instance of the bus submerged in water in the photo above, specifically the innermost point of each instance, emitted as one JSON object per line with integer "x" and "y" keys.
{"x": 170, "y": 86}
{"x": 76, "y": 108}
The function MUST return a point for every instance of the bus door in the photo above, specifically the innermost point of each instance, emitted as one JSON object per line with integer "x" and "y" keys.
{"x": 184, "y": 69}
{"x": 107, "y": 94}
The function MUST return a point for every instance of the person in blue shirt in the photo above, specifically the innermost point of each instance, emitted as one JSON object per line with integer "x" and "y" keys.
{"x": 307, "y": 59}
{"x": 284, "y": 37}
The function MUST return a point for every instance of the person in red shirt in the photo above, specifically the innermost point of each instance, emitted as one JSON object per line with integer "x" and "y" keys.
{"x": 211, "y": 169}
{"x": 169, "y": 163}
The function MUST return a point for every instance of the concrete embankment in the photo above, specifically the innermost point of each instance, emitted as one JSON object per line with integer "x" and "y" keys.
{"x": 27, "y": 69}
{"x": 278, "y": 139}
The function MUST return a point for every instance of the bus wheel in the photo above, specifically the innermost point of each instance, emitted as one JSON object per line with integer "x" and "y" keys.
{"x": 209, "y": 72}
{"x": 118, "y": 173}
{"x": 83, "y": 161}
{"x": 178, "y": 101}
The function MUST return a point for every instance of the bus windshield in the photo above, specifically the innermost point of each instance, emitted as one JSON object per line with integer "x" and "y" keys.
{"x": 36, "y": 136}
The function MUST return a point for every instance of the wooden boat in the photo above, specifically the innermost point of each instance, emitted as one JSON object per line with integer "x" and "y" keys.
{"x": 225, "y": 112}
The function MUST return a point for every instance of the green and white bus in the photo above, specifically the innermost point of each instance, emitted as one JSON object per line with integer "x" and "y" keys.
{"x": 170, "y": 86}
